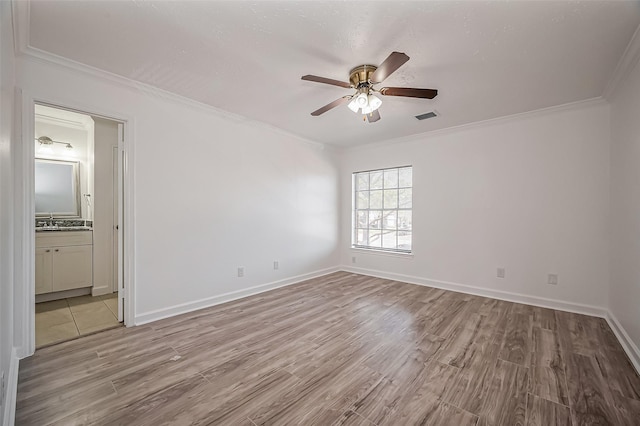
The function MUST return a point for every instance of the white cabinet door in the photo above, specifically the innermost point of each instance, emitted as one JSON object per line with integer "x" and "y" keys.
{"x": 44, "y": 270}
{"x": 72, "y": 267}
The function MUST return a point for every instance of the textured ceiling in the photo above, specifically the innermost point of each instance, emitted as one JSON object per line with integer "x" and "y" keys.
{"x": 487, "y": 59}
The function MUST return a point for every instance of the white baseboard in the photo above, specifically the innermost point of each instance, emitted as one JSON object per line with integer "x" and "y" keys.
{"x": 57, "y": 295}
{"x": 226, "y": 297}
{"x": 99, "y": 291}
{"x": 485, "y": 292}
{"x": 623, "y": 337}
{"x": 9, "y": 402}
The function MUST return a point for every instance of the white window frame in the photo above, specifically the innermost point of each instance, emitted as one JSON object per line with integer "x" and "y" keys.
{"x": 356, "y": 208}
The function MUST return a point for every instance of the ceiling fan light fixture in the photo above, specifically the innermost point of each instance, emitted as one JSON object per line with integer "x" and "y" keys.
{"x": 353, "y": 105}
{"x": 362, "y": 79}
{"x": 361, "y": 100}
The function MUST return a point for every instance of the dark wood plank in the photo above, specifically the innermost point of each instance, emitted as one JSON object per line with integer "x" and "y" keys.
{"x": 472, "y": 385}
{"x": 541, "y": 412}
{"x": 547, "y": 377}
{"x": 590, "y": 398}
{"x": 628, "y": 410}
{"x": 517, "y": 342}
{"x": 507, "y": 400}
{"x": 615, "y": 367}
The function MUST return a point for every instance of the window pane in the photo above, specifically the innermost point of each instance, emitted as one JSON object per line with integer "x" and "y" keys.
{"x": 389, "y": 219}
{"x": 375, "y": 238}
{"x": 405, "y": 177}
{"x": 382, "y": 216}
{"x": 389, "y": 239}
{"x": 375, "y": 219}
{"x": 405, "y": 198}
{"x": 375, "y": 200}
{"x": 404, "y": 219}
{"x": 390, "y": 198}
{"x": 362, "y": 237}
{"x": 362, "y": 200}
{"x": 391, "y": 178}
{"x": 404, "y": 240}
{"x": 362, "y": 219}
{"x": 362, "y": 181}
{"x": 376, "y": 180}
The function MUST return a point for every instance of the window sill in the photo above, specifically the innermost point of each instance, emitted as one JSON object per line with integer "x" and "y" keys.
{"x": 382, "y": 252}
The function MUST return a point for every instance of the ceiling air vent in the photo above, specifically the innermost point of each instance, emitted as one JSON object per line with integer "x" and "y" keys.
{"x": 426, "y": 115}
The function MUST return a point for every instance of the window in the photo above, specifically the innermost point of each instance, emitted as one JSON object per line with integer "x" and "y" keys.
{"x": 382, "y": 202}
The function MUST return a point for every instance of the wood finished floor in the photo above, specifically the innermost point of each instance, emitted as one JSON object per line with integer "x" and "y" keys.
{"x": 340, "y": 349}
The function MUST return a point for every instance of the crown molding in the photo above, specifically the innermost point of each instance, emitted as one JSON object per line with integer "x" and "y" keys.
{"x": 57, "y": 121}
{"x": 20, "y": 16}
{"x": 586, "y": 103}
{"x": 20, "y": 11}
{"x": 69, "y": 64}
{"x": 627, "y": 62}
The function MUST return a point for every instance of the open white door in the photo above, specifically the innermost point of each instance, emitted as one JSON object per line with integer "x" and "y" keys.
{"x": 120, "y": 224}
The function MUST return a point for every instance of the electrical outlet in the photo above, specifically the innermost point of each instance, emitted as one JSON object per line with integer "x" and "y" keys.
{"x": 276, "y": 265}
{"x": 501, "y": 273}
{"x": 353, "y": 259}
{"x": 240, "y": 272}
{"x": 552, "y": 279}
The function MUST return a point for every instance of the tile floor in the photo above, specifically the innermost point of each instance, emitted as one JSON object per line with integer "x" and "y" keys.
{"x": 66, "y": 319}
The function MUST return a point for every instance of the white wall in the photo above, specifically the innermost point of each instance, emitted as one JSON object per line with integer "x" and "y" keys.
{"x": 211, "y": 193}
{"x": 624, "y": 294}
{"x": 7, "y": 78}
{"x": 527, "y": 193}
{"x": 106, "y": 137}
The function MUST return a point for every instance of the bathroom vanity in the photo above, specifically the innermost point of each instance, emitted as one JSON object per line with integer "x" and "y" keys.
{"x": 64, "y": 259}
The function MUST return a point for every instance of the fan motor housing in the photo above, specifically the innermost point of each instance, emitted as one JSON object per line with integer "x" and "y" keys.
{"x": 361, "y": 75}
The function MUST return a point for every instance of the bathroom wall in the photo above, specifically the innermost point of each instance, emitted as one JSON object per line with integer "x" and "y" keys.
{"x": 105, "y": 140}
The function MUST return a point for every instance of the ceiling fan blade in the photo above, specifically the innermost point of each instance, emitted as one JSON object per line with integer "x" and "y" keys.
{"x": 409, "y": 92}
{"x": 389, "y": 66}
{"x": 326, "y": 81}
{"x": 373, "y": 117}
{"x": 327, "y": 107}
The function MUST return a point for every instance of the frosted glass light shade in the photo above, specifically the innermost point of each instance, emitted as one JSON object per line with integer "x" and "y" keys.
{"x": 374, "y": 102}
{"x": 353, "y": 105}
{"x": 362, "y": 100}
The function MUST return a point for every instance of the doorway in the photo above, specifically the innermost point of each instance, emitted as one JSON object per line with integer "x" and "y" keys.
{"x": 78, "y": 186}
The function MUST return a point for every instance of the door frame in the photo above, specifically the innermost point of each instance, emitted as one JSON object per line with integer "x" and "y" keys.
{"x": 25, "y": 210}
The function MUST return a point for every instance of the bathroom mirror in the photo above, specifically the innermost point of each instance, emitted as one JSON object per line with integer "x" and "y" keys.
{"x": 57, "y": 188}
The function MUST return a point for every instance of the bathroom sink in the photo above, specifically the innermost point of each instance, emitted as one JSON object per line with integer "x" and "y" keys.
{"x": 62, "y": 228}
{"x": 47, "y": 228}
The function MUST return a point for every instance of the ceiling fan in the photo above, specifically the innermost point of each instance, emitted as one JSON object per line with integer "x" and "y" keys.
{"x": 362, "y": 78}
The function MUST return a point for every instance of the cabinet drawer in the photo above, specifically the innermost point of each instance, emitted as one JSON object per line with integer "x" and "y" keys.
{"x": 63, "y": 238}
